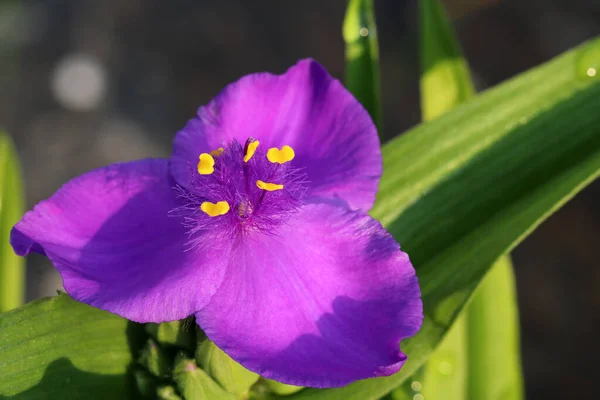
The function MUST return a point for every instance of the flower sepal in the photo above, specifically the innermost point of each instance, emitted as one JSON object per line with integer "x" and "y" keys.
{"x": 144, "y": 382}
{"x": 167, "y": 392}
{"x": 155, "y": 359}
{"x": 178, "y": 361}
{"x": 280, "y": 388}
{"x": 176, "y": 333}
{"x": 194, "y": 383}
{"x": 229, "y": 374}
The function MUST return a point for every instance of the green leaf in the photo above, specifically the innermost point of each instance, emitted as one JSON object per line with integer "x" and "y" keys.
{"x": 408, "y": 389}
{"x": 455, "y": 370}
{"x": 12, "y": 267}
{"x": 493, "y": 334}
{"x": 57, "y": 348}
{"x": 195, "y": 384}
{"x": 446, "y": 371}
{"x": 362, "y": 56}
{"x": 229, "y": 374}
{"x": 445, "y": 78}
{"x": 445, "y": 83}
{"x": 444, "y": 71}
{"x": 462, "y": 190}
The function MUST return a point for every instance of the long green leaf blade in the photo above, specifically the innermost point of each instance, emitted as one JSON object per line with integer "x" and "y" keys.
{"x": 446, "y": 370}
{"x": 12, "y": 268}
{"x": 445, "y": 83}
{"x": 463, "y": 190}
{"x": 493, "y": 332}
{"x": 57, "y": 348}
{"x": 445, "y": 78}
{"x": 362, "y": 56}
{"x": 455, "y": 369}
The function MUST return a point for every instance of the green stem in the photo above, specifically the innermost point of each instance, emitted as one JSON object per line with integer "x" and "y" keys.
{"x": 12, "y": 267}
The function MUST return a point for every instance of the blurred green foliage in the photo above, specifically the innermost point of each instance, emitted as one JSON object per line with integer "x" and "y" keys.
{"x": 12, "y": 204}
{"x": 362, "y": 57}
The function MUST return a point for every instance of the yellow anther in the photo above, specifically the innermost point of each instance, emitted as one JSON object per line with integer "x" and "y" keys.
{"x": 217, "y": 152}
{"x": 250, "y": 150}
{"x": 268, "y": 186}
{"x": 206, "y": 164}
{"x": 280, "y": 156}
{"x": 215, "y": 209}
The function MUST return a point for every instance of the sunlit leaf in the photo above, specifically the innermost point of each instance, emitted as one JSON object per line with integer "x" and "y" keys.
{"x": 445, "y": 79}
{"x": 445, "y": 83}
{"x": 456, "y": 370}
{"x": 362, "y": 56}
{"x": 493, "y": 333}
{"x": 57, "y": 348}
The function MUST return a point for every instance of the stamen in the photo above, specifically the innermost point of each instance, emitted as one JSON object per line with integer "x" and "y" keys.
{"x": 250, "y": 150}
{"x": 268, "y": 186}
{"x": 217, "y": 152}
{"x": 280, "y": 156}
{"x": 215, "y": 209}
{"x": 206, "y": 164}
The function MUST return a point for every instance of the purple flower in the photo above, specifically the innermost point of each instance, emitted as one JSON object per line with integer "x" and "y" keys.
{"x": 256, "y": 225}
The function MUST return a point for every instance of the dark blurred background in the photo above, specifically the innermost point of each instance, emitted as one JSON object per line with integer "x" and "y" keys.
{"x": 87, "y": 83}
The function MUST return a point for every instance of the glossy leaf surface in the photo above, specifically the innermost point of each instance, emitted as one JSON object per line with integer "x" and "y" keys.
{"x": 362, "y": 56}
{"x": 57, "y": 348}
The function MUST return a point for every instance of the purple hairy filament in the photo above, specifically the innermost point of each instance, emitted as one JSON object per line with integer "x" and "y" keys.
{"x": 239, "y": 189}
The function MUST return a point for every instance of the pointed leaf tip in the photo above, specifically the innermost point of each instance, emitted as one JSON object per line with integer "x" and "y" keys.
{"x": 362, "y": 56}
{"x": 445, "y": 78}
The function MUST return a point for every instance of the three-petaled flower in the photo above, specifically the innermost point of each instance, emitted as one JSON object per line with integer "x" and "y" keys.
{"x": 256, "y": 225}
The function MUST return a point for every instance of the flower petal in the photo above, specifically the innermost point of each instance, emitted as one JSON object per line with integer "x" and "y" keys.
{"x": 333, "y": 137}
{"x": 322, "y": 302}
{"x": 110, "y": 235}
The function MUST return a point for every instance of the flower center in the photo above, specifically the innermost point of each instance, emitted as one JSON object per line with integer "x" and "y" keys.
{"x": 243, "y": 188}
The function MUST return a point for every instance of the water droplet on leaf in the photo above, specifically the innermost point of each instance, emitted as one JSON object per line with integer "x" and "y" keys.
{"x": 587, "y": 61}
{"x": 416, "y": 386}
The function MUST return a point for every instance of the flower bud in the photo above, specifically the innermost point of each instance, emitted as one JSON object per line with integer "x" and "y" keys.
{"x": 167, "y": 392}
{"x": 195, "y": 384}
{"x": 176, "y": 333}
{"x": 229, "y": 374}
{"x": 155, "y": 359}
